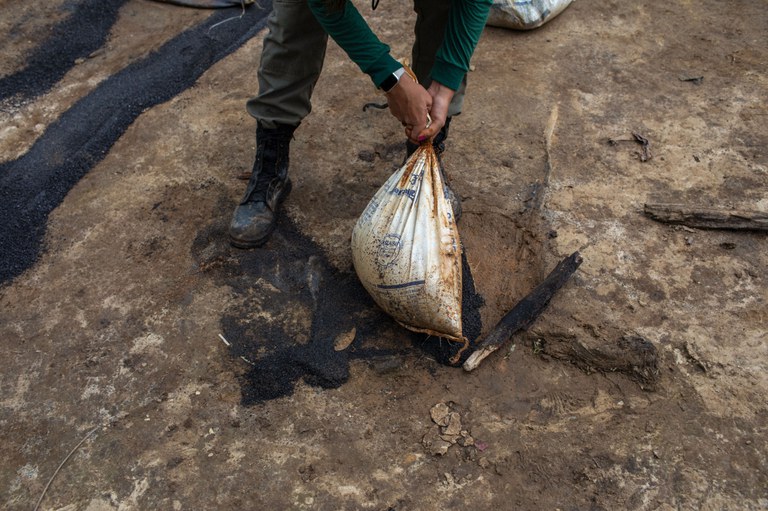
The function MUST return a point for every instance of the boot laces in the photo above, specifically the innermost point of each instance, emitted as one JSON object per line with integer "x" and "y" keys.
{"x": 271, "y": 155}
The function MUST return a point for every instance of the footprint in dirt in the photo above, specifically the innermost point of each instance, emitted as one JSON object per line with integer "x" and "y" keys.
{"x": 293, "y": 307}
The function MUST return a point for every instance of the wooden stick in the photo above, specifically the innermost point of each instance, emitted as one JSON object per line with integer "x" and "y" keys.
{"x": 526, "y": 311}
{"x": 708, "y": 218}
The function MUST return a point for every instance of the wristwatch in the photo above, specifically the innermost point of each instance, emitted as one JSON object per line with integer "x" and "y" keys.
{"x": 391, "y": 80}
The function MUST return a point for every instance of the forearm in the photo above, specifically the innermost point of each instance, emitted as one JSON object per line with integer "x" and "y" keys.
{"x": 465, "y": 25}
{"x": 350, "y": 31}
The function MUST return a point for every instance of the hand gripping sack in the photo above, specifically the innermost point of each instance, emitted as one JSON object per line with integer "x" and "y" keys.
{"x": 406, "y": 249}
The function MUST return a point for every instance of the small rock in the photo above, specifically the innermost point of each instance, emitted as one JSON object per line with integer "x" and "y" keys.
{"x": 344, "y": 339}
{"x": 439, "y": 414}
{"x": 466, "y": 439}
{"x": 452, "y": 439}
{"x": 453, "y": 426}
{"x": 435, "y": 445}
{"x": 483, "y": 462}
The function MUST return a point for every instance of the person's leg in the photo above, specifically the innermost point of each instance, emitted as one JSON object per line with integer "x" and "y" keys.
{"x": 291, "y": 61}
{"x": 431, "y": 20}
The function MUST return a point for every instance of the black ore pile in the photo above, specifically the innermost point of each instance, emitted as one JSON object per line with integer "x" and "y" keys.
{"x": 288, "y": 280}
{"x": 36, "y": 183}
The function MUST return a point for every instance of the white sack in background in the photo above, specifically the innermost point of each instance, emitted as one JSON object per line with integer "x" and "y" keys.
{"x": 406, "y": 249}
{"x": 524, "y": 14}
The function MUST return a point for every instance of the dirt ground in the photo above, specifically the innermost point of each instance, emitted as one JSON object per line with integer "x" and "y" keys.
{"x": 642, "y": 386}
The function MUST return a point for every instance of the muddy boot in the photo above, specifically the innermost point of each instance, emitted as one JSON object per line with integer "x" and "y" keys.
{"x": 439, "y": 144}
{"x": 256, "y": 215}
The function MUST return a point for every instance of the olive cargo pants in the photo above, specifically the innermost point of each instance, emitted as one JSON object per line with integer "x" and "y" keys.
{"x": 294, "y": 50}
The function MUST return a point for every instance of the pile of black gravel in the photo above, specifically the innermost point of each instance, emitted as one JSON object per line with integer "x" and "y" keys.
{"x": 289, "y": 274}
{"x": 36, "y": 183}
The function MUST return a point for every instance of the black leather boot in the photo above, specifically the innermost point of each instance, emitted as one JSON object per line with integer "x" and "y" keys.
{"x": 439, "y": 144}
{"x": 256, "y": 215}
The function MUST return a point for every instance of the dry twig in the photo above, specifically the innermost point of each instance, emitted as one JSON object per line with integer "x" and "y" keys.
{"x": 708, "y": 218}
{"x": 45, "y": 490}
{"x": 526, "y": 311}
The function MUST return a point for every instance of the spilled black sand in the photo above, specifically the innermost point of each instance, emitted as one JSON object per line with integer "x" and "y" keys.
{"x": 36, "y": 183}
{"x": 88, "y": 20}
{"x": 291, "y": 277}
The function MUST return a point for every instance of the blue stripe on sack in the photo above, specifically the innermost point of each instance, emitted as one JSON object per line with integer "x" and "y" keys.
{"x": 399, "y": 286}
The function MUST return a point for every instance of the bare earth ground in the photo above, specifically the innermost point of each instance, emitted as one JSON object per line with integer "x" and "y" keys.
{"x": 112, "y": 337}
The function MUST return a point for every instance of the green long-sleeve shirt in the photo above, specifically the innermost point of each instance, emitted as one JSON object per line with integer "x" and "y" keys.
{"x": 350, "y": 31}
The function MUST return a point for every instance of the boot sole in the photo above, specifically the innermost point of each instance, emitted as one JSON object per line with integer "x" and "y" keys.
{"x": 251, "y": 244}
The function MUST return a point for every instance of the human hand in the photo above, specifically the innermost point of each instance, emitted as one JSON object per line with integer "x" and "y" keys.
{"x": 410, "y": 103}
{"x": 441, "y": 99}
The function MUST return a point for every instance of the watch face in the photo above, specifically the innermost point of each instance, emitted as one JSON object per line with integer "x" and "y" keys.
{"x": 390, "y": 82}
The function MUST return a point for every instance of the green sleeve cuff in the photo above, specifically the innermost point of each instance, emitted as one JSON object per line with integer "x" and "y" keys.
{"x": 448, "y": 74}
{"x": 382, "y": 68}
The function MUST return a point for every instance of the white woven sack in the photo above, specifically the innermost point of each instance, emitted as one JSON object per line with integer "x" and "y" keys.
{"x": 406, "y": 249}
{"x": 524, "y": 14}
